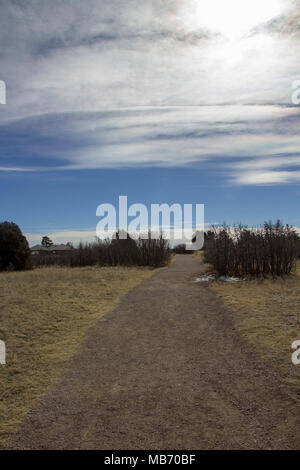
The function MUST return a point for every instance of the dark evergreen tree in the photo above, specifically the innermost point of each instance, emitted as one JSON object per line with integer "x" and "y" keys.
{"x": 47, "y": 242}
{"x": 14, "y": 250}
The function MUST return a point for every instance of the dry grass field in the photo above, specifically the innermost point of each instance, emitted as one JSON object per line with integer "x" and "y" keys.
{"x": 44, "y": 316}
{"x": 267, "y": 313}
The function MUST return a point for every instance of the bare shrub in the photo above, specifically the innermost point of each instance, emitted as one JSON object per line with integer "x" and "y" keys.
{"x": 115, "y": 252}
{"x": 180, "y": 249}
{"x": 241, "y": 251}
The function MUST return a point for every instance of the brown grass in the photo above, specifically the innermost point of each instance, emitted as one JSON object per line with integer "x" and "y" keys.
{"x": 199, "y": 254}
{"x": 267, "y": 313}
{"x": 44, "y": 316}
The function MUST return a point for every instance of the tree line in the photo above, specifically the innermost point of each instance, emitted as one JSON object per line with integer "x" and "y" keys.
{"x": 112, "y": 252}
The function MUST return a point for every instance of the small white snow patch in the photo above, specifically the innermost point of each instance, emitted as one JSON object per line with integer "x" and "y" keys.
{"x": 230, "y": 279}
{"x": 212, "y": 277}
{"x": 208, "y": 278}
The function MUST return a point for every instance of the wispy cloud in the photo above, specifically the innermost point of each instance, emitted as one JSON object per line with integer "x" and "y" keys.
{"x": 161, "y": 137}
{"x": 287, "y": 24}
{"x": 118, "y": 84}
{"x": 260, "y": 177}
{"x": 266, "y": 171}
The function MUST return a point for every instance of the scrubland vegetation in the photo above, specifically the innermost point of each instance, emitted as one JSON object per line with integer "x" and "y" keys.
{"x": 45, "y": 314}
{"x": 266, "y": 305}
{"x": 266, "y": 312}
{"x": 113, "y": 252}
{"x": 240, "y": 251}
{"x": 142, "y": 251}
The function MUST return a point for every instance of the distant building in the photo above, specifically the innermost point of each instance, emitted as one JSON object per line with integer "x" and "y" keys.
{"x": 51, "y": 250}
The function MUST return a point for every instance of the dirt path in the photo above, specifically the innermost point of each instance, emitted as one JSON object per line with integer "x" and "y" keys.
{"x": 165, "y": 370}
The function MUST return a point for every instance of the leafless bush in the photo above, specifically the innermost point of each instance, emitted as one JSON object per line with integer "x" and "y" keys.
{"x": 115, "y": 252}
{"x": 240, "y": 251}
{"x": 180, "y": 249}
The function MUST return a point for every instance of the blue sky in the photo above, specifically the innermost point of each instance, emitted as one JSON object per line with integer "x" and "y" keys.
{"x": 163, "y": 101}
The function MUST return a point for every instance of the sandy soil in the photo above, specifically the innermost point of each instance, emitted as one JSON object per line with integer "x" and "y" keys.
{"x": 165, "y": 370}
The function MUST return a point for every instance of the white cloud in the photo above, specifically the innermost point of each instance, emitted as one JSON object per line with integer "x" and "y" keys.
{"x": 267, "y": 177}
{"x": 173, "y": 91}
{"x": 265, "y": 171}
{"x": 154, "y": 136}
{"x": 97, "y": 55}
{"x": 63, "y": 236}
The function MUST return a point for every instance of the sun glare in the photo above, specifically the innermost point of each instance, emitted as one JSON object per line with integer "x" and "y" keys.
{"x": 234, "y": 18}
